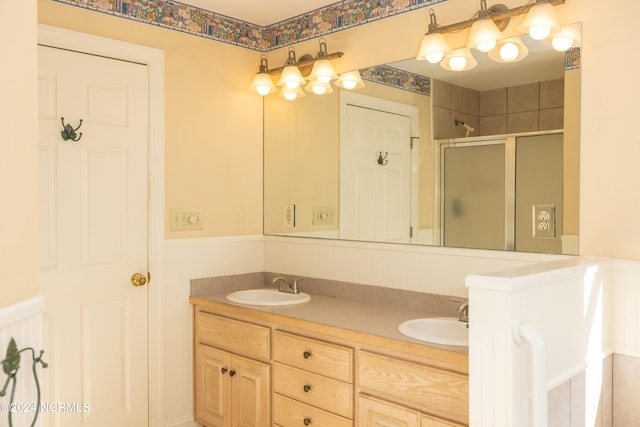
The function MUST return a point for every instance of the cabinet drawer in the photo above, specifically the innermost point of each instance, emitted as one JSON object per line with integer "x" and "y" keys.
{"x": 321, "y": 357}
{"x": 317, "y": 390}
{"x": 233, "y": 335}
{"x": 436, "y": 391}
{"x": 291, "y": 413}
{"x": 428, "y": 421}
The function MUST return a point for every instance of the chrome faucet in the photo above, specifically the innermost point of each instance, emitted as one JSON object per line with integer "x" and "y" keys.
{"x": 285, "y": 285}
{"x": 463, "y": 310}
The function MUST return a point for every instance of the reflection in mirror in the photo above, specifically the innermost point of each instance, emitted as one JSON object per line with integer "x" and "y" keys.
{"x": 334, "y": 167}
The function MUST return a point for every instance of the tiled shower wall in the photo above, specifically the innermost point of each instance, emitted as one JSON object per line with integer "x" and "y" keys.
{"x": 526, "y": 108}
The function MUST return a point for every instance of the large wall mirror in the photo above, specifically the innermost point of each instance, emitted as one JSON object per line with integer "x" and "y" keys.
{"x": 486, "y": 158}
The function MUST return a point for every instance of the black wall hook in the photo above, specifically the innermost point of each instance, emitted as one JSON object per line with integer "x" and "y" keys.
{"x": 382, "y": 160}
{"x": 68, "y": 132}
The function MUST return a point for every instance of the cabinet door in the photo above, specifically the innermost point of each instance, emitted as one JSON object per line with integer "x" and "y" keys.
{"x": 377, "y": 413}
{"x": 250, "y": 400}
{"x": 212, "y": 386}
{"x": 429, "y": 421}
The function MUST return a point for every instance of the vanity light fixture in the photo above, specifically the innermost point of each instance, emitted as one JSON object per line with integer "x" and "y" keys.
{"x": 318, "y": 69}
{"x": 319, "y": 88}
{"x": 434, "y": 46}
{"x": 566, "y": 38}
{"x": 262, "y": 82}
{"x": 509, "y": 50}
{"x": 350, "y": 80}
{"x": 540, "y": 21}
{"x": 291, "y": 94}
{"x": 484, "y": 32}
{"x": 291, "y": 77}
{"x": 459, "y": 60}
{"x": 322, "y": 70}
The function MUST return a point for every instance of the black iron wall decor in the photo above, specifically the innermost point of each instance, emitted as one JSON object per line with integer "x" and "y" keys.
{"x": 11, "y": 365}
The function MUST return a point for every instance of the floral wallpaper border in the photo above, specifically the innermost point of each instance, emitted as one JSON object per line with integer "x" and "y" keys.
{"x": 192, "y": 20}
{"x": 400, "y": 79}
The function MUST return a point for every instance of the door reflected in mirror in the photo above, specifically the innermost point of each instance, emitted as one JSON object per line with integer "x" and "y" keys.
{"x": 335, "y": 166}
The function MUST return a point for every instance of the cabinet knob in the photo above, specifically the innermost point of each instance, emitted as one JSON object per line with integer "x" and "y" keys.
{"x": 232, "y": 373}
{"x": 306, "y": 388}
{"x": 223, "y": 370}
{"x": 307, "y": 421}
{"x": 306, "y": 354}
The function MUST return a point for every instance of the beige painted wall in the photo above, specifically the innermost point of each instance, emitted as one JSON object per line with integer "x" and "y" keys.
{"x": 19, "y": 244}
{"x": 609, "y": 148}
{"x": 213, "y": 131}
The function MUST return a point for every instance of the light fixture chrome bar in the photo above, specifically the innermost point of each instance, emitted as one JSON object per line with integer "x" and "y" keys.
{"x": 306, "y": 61}
{"x": 496, "y": 14}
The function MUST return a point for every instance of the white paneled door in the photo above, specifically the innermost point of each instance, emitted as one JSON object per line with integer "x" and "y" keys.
{"x": 376, "y": 176}
{"x": 93, "y": 202}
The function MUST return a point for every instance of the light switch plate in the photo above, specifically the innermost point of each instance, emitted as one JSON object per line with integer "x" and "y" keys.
{"x": 544, "y": 220}
{"x": 290, "y": 215}
{"x": 186, "y": 219}
{"x": 324, "y": 215}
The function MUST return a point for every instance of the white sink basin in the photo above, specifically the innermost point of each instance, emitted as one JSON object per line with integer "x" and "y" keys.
{"x": 267, "y": 296}
{"x": 437, "y": 330}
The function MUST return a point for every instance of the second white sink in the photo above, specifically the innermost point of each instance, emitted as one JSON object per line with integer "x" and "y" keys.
{"x": 267, "y": 296}
{"x": 437, "y": 330}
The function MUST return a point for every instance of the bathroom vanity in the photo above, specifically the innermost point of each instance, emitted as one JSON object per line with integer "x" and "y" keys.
{"x": 328, "y": 362}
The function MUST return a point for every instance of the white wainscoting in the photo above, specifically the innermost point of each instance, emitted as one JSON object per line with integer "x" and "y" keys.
{"x": 410, "y": 267}
{"x": 23, "y": 323}
{"x": 626, "y": 313}
{"x": 187, "y": 259}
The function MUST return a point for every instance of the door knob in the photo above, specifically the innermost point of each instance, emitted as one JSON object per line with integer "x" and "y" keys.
{"x": 138, "y": 279}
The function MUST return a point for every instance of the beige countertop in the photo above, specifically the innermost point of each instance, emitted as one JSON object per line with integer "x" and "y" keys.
{"x": 358, "y": 316}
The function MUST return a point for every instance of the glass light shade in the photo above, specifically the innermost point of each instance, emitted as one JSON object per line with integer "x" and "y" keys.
{"x": 566, "y": 38}
{"x": 433, "y": 48}
{"x": 350, "y": 80}
{"x": 484, "y": 34}
{"x": 262, "y": 84}
{"x": 291, "y": 77}
{"x": 540, "y": 21}
{"x": 459, "y": 60}
{"x": 290, "y": 94}
{"x": 509, "y": 50}
{"x": 322, "y": 71}
{"x": 318, "y": 87}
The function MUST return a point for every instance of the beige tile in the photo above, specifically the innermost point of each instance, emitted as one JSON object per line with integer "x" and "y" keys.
{"x": 458, "y": 99}
{"x": 473, "y": 102}
{"x": 551, "y": 118}
{"x": 522, "y": 122}
{"x": 441, "y": 123}
{"x": 440, "y": 94}
{"x": 626, "y": 391}
{"x": 493, "y": 102}
{"x": 552, "y": 94}
{"x": 493, "y": 125}
{"x": 523, "y": 98}
{"x": 559, "y": 405}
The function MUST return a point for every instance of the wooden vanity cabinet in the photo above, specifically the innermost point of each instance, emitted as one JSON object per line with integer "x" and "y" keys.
{"x": 312, "y": 382}
{"x": 231, "y": 389}
{"x": 293, "y": 373}
{"x": 436, "y": 395}
{"x": 374, "y": 412}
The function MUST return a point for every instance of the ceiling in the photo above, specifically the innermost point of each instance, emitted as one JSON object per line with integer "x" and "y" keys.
{"x": 260, "y": 12}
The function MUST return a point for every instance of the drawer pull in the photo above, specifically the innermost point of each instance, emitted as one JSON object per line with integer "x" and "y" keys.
{"x": 232, "y": 373}
{"x": 307, "y": 421}
{"x": 223, "y": 370}
{"x": 306, "y": 388}
{"x": 306, "y": 355}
